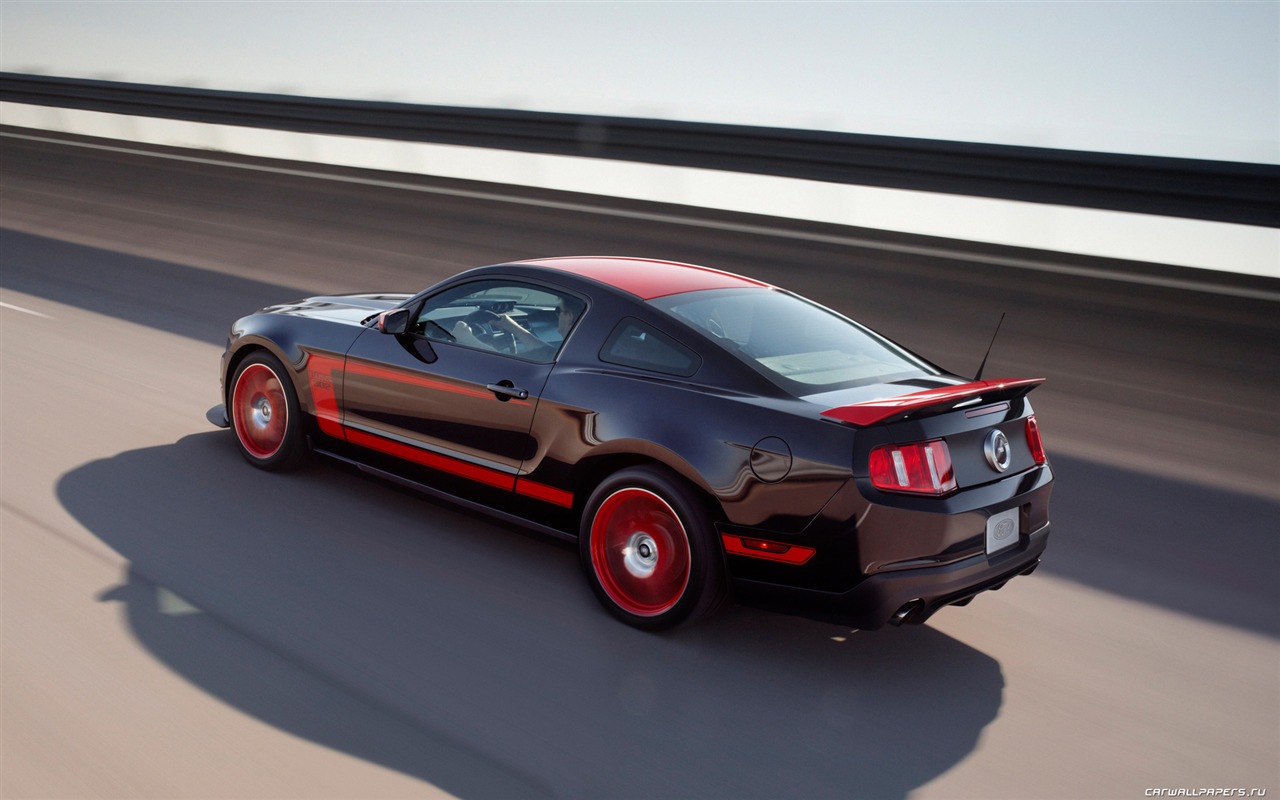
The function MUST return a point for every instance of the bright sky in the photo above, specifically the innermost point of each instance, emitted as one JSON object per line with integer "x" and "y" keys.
{"x": 1195, "y": 79}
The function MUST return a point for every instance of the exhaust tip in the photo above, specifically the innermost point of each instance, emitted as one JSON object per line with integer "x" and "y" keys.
{"x": 910, "y": 614}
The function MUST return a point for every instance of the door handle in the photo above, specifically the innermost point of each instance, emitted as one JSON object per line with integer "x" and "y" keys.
{"x": 505, "y": 390}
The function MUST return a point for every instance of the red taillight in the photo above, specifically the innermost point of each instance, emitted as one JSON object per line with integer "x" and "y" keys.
{"x": 1033, "y": 440}
{"x": 919, "y": 467}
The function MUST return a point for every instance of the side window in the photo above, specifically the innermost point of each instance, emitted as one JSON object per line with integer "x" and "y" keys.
{"x": 517, "y": 319}
{"x": 635, "y": 344}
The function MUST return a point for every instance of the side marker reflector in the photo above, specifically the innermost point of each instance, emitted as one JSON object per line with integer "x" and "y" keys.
{"x": 769, "y": 551}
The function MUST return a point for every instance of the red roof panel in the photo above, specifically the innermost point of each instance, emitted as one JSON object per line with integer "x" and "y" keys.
{"x": 647, "y": 278}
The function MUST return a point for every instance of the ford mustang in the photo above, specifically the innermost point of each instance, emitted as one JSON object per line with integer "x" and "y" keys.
{"x": 700, "y": 435}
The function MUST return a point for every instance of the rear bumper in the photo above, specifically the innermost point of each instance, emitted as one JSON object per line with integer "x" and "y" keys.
{"x": 908, "y": 596}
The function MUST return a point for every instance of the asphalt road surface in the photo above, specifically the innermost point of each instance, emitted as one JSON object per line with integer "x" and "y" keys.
{"x": 177, "y": 624}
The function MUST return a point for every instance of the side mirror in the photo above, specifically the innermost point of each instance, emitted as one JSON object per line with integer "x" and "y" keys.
{"x": 394, "y": 322}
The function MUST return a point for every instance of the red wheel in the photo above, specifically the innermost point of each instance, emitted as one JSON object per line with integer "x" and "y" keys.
{"x": 259, "y": 410}
{"x": 264, "y": 413}
{"x": 640, "y": 552}
{"x": 646, "y": 546}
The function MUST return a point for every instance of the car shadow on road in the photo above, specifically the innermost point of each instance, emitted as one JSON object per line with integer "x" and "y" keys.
{"x": 452, "y": 649}
{"x": 1191, "y": 548}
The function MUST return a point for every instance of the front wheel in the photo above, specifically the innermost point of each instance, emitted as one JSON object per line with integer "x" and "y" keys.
{"x": 649, "y": 550}
{"x": 265, "y": 414}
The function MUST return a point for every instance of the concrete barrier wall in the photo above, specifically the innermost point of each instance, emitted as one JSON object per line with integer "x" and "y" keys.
{"x": 1229, "y": 247}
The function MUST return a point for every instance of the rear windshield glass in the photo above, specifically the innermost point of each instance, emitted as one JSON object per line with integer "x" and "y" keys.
{"x": 799, "y": 344}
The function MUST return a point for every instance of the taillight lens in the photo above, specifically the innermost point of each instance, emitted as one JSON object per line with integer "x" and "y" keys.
{"x": 1033, "y": 440}
{"x": 919, "y": 468}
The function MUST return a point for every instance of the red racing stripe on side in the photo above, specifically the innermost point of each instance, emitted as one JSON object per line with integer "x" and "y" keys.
{"x": 413, "y": 379}
{"x": 322, "y": 374}
{"x": 548, "y": 494}
{"x": 426, "y": 458}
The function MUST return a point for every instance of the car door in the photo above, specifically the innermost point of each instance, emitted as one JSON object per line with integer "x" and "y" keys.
{"x": 458, "y": 389}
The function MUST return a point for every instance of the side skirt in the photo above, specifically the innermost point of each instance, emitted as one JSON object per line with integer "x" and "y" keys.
{"x": 431, "y": 491}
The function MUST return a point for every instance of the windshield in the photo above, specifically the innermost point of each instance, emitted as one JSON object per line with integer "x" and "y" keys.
{"x": 801, "y": 345}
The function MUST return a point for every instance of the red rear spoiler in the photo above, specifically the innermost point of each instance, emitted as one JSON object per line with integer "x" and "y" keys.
{"x": 944, "y": 398}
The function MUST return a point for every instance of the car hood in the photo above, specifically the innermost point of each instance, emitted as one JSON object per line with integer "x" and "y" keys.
{"x": 351, "y": 309}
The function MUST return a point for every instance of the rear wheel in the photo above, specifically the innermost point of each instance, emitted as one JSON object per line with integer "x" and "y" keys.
{"x": 265, "y": 414}
{"x": 649, "y": 550}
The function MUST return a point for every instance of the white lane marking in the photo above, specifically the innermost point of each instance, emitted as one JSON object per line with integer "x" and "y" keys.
{"x": 12, "y": 307}
{"x": 732, "y": 227}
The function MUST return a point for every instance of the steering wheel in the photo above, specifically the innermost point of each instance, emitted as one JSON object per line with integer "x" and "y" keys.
{"x": 483, "y": 321}
{"x": 481, "y": 317}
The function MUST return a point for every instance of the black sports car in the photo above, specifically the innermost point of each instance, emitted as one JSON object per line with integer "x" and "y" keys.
{"x": 695, "y": 432}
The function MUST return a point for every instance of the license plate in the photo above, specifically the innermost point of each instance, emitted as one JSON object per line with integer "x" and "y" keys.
{"x": 1002, "y": 530}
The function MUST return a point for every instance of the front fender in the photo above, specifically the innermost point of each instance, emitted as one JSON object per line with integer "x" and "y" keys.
{"x": 292, "y": 340}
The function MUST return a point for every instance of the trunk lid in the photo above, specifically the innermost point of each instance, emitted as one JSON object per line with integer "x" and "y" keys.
{"x": 901, "y": 403}
{"x": 983, "y": 423}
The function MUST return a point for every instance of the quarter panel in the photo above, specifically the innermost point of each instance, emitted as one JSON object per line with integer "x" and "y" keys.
{"x": 705, "y": 435}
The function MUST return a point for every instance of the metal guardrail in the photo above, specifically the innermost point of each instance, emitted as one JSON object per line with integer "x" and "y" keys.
{"x": 1221, "y": 191}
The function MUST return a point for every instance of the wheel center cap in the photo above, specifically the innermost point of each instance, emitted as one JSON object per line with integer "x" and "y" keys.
{"x": 263, "y": 411}
{"x": 640, "y": 556}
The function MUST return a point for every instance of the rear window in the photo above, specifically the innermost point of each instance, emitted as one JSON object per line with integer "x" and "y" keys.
{"x": 635, "y": 344}
{"x": 796, "y": 343}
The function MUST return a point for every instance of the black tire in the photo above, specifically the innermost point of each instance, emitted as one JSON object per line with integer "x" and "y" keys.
{"x": 649, "y": 550}
{"x": 262, "y": 406}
